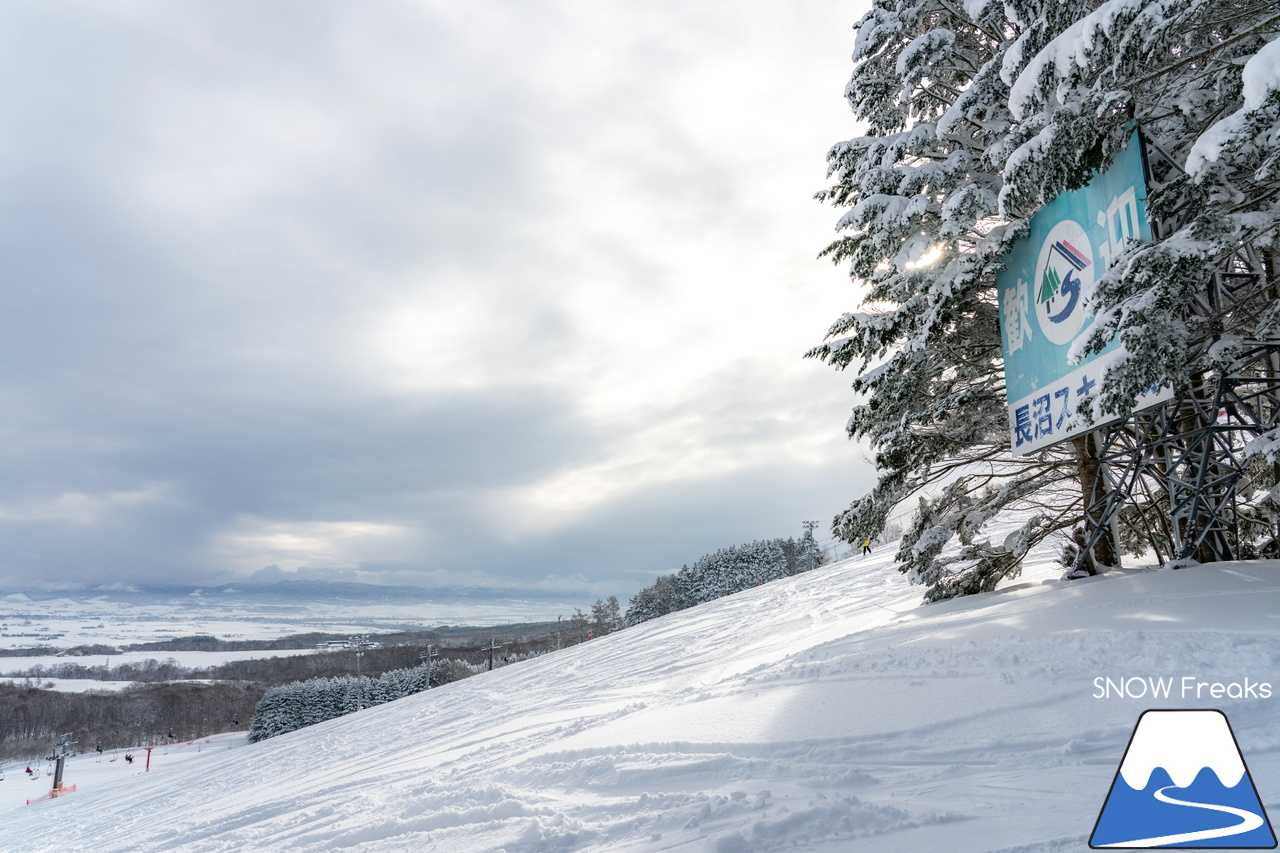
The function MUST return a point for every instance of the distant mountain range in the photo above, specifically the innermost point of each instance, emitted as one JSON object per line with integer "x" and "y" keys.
{"x": 294, "y": 593}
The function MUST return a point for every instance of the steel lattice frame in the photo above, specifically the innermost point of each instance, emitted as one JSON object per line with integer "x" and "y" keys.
{"x": 1188, "y": 451}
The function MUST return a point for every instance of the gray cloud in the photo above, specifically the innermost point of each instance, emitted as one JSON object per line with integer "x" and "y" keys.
{"x": 436, "y": 293}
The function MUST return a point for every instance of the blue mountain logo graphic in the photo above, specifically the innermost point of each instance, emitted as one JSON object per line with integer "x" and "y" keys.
{"x": 1183, "y": 783}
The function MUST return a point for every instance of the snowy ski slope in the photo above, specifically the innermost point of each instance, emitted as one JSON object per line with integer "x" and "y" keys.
{"x": 826, "y": 712}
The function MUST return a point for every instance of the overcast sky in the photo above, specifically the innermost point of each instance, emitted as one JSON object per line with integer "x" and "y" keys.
{"x": 467, "y": 292}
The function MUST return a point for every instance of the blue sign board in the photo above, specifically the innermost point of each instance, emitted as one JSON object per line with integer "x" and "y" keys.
{"x": 1072, "y": 242}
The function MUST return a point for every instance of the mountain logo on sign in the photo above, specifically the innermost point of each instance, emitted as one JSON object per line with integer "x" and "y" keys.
{"x": 1063, "y": 272}
{"x": 1183, "y": 783}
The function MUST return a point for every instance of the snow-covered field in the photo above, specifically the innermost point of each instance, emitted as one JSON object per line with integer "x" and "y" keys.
{"x": 93, "y": 771}
{"x": 825, "y": 712}
{"x": 65, "y": 622}
{"x": 10, "y": 665}
{"x": 71, "y": 685}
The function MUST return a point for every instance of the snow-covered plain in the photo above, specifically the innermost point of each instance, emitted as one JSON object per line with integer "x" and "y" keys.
{"x": 10, "y": 665}
{"x": 64, "y": 622}
{"x": 825, "y": 712}
{"x": 70, "y": 685}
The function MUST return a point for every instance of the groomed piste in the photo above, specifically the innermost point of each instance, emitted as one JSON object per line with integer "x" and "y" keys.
{"x": 827, "y": 712}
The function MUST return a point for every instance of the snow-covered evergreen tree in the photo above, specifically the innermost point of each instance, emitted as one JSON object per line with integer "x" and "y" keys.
{"x": 667, "y": 594}
{"x": 293, "y": 706}
{"x": 712, "y": 576}
{"x": 274, "y": 714}
{"x": 977, "y": 114}
{"x": 720, "y": 573}
{"x": 808, "y": 554}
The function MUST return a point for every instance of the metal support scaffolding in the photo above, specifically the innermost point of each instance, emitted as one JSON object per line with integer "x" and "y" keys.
{"x": 1184, "y": 459}
{"x": 1188, "y": 455}
{"x": 428, "y": 659}
{"x": 60, "y": 752}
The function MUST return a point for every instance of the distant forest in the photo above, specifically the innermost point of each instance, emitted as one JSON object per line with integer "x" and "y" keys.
{"x": 190, "y": 702}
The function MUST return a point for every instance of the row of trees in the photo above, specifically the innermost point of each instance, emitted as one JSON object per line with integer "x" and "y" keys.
{"x": 31, "y": 718}
{"x": 605, "y": 617}
{"x": 725, "y": 572}
{"x": 516, "y": 645}
{"x": 290, "y": 707}
{"x": 272, "y": 670}
{"x": 977, "y": 115}
{"x": 165, "y": 700}
{"x": 452, "y": 636}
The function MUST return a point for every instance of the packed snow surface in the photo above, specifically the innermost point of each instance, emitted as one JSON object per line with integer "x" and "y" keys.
{"x": 826, "y": 712}
{"x": 93, "y": 771}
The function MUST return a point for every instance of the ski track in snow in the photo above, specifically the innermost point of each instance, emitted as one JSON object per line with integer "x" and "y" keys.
{"x": 826, "y": 712}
